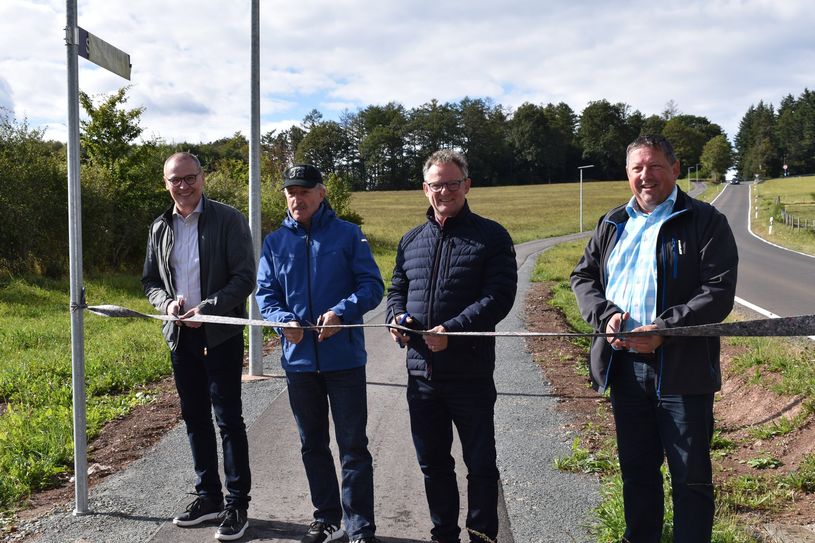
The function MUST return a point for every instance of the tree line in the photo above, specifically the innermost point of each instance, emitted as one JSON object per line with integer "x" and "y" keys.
{"x": 379, "y": 147}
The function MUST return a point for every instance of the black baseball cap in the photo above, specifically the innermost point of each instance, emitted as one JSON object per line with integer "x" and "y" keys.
{"x": 302, "y": 175}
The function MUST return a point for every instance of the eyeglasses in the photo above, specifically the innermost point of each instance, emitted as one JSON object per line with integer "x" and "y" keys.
{"x": 190, "y": 180}
{"x": 451, "y": 186}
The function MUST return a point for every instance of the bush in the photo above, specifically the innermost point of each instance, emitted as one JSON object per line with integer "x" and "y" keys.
{"x": 33, "y": 201}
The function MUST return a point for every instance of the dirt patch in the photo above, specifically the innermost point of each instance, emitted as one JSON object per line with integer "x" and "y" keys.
{"x": 565, "y": 367}
{"x": 740, "y": 406}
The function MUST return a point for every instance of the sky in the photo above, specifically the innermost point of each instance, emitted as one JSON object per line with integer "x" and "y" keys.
{"x": 191, "y": 59}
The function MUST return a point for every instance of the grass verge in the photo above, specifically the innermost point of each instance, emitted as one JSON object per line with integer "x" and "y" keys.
{"x": 36, "y": 442}
{"x": 797, "y": 194}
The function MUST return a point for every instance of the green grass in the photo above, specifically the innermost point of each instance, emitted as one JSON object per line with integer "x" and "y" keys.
{"x": 792, "y": 365}
{"x": 528, "y": 212}
{"x": 798, "y": 195}
{"x": 712, "y": 190}
{"x": 35, "y": 374}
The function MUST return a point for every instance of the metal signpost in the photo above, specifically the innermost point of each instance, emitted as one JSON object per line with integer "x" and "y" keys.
{"x": 80, "y": 42}
{"x": 255, "y": 332}
{"x": 581, "y": 168}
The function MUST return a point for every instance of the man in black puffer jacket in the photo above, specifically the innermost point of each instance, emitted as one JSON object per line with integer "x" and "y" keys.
{"x": 454, "y": 273}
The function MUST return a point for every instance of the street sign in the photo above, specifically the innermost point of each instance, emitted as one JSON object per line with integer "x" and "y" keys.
{"x": 103, "y": 54}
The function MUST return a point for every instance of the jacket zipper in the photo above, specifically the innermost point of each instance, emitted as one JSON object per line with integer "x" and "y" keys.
{"x": 434, "y": 275}
{"x": 310, "y": 309}
{"x": 675, "y": 258}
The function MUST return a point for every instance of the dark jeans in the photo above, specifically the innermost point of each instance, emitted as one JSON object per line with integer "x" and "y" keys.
{"x": 310, "y": 395}
{"x": 209, "y": 379}
{"x": 435, "y": 406}
{"x": 649, "y": 429}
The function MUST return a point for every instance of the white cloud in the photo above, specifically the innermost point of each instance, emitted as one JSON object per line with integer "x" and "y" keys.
{"x": 191, "y": 64}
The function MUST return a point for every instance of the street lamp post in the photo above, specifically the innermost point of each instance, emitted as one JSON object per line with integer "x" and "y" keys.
{"x": 689, "y": 169}
{"x": 581, "y": 168}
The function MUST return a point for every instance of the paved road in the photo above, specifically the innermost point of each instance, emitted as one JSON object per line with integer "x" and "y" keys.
{"x": 538, "y": 503}
{"x": 770, "y": 277}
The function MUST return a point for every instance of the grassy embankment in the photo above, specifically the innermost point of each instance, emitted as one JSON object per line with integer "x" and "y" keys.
{"x": 797, "y": 194}
{"x": 121, "y": 356}
{"x": 35, "y": 375}
{"x": 791, "y": 371}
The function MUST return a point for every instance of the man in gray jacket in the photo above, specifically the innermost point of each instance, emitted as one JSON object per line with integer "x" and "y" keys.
{"x": 200, "y": 259}
{"x": 662, "y": 260}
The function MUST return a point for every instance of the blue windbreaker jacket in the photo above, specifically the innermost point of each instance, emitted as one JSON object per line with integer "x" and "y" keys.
{"x": 304, "y": 273}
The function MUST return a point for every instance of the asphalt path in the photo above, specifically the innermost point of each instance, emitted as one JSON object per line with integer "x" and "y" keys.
{"x": 770, "y": 277}
{"x": 538, "y": 503}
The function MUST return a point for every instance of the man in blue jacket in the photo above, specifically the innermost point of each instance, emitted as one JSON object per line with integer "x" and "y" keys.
{"x": 662, "y": 260}
{"x": 454, "y": 273}
{"x": 318, "y": 269}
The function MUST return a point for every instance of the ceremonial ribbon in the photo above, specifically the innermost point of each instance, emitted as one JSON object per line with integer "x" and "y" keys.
{"x": 802, "y": 325}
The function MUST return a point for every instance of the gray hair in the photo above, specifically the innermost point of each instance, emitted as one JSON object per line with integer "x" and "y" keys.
{"x": 185, "y": 156}
{"x": 445, "y": 156}
{"x": 655, "y": 141}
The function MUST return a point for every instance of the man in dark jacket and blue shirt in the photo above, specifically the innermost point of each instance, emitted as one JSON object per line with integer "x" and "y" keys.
{"x": 318, "y": 269}
{"x": 663, "y": 260}
{"x": 454, "y": 273}
{"x": 200, "y": 260}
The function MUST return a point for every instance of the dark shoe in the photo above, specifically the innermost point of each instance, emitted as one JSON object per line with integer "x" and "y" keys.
{"x": 233, "y": 524}
{"x": 367, "y": 539}
{"x": 322, "y": 532}
{"x": 200, "y": 510}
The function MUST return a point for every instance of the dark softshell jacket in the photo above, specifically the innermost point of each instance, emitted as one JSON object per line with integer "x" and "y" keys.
{"x": 697, "y": 262}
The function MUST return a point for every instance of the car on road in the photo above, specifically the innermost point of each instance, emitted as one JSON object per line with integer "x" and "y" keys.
{"x": 735, "y": 181}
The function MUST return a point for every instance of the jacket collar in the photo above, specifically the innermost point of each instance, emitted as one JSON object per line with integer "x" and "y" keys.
{"x": 204, "y": 204}
{"x": 324, "y": 214}
{"x": 452, "y": 221}
{"x": 619, "y": 214}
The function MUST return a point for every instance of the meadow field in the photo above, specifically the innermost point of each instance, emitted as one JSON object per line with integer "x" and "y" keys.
{"x": 528, "y": 212}
{"x": 797, "y": 194}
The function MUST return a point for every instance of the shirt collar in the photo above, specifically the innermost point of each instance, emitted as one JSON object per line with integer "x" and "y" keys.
{"x": 197, "y": 211}
{"x": 633, "y": 209}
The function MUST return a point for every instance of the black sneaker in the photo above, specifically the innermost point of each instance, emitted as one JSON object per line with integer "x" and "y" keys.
{"x": 233, "y": 524}
{"x": 322, "y": 532}
{"x": 367, "y": 539}
{"x": 200, "y": 510}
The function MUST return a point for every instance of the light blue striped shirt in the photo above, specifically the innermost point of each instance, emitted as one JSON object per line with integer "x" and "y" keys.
{"x": 632, "y": 265}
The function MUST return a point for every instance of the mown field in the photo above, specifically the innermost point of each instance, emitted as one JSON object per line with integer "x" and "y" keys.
{"x": 797, "y": 194}
{"x": 528, "y": 212}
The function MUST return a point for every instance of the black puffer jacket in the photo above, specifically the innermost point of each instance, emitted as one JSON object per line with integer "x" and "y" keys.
{"x": 463, "y": 277}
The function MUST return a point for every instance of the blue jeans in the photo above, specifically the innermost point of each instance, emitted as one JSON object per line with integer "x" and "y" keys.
{"x": 650, "y": 429}
{"x": 435, "y": 406}
{"x": 310, "y": 395}
{"x": 207, "y": 382}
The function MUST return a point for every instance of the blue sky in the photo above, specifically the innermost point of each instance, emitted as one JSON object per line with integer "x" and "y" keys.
{"x": 191, "y": 59}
